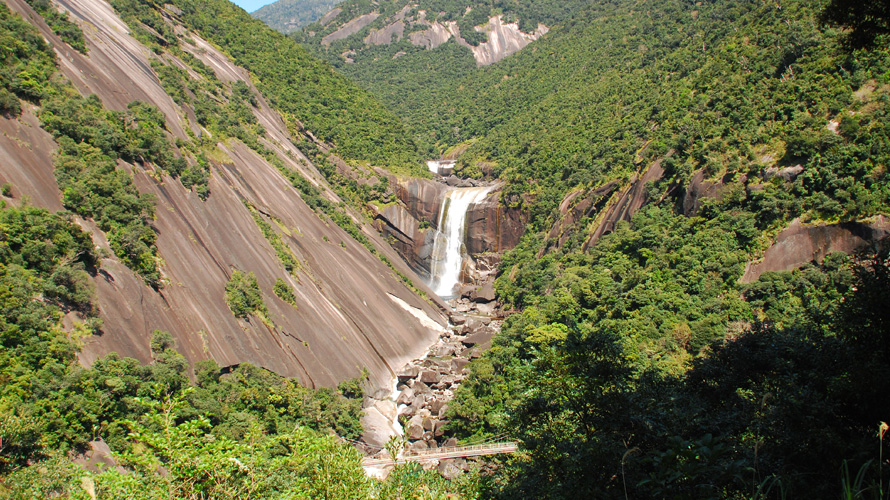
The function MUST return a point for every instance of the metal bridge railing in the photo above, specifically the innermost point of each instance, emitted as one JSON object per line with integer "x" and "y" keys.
{"x": 443, "y": 453}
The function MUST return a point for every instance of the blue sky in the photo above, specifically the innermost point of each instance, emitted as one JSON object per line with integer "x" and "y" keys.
{"x": 252, "y": 5}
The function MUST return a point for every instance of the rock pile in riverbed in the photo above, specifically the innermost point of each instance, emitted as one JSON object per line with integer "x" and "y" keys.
{"x": 425, "y": 386}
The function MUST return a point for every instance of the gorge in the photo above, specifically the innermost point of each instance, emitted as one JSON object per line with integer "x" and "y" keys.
{"x": 652, "y": 251}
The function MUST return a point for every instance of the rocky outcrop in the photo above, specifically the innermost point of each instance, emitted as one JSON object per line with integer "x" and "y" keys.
{"x": 626, "y": 203}
{"x": 434, "y": 36}
{"x": 350, "y": 28}
{"x": 422, "y": 198}
{"x": 492, "y": 227}
{"x": 503, "y": 39}
{"x": 700, "y": 187}
{"x": 344, "y": 319}
{"x": 327, "y": 18}
{"x": 389, "y": 34}
{"x": 800, "y": 244}
{"x": 414, "y": 244}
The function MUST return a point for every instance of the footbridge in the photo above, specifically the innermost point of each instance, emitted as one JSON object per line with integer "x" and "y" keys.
{"x": 476, "y": 450}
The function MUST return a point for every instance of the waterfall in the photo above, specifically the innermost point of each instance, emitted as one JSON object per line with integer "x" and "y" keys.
{"x": 448, "y": 248}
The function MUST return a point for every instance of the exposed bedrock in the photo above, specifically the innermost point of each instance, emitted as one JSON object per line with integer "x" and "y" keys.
{"x": 492, "y": 227}
{"x": 411, "y": 224}
{"x": 800, "y": 244}
{"x": 351, "y": 312}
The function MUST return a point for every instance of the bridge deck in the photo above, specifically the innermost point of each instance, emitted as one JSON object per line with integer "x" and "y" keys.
{"x": 444, "y": 453}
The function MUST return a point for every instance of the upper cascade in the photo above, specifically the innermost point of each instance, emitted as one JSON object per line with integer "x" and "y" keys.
{"x": 449, "y": 249}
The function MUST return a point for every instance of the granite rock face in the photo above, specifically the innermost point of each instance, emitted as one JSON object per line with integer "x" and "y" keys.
{"x": 800, "y": 244}
{"x": 492, "y": 227}
{"x": 411, "y": 224}
{"x": 347, "y": 316}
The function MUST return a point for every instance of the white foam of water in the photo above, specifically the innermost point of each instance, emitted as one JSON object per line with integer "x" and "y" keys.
{"x": 449, "y": 249}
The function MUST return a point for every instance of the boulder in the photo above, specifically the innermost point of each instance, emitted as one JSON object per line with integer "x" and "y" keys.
{"x": 458, "y": 364}
{"x": 450, "y": 443}
{"x": 387, "y": 408}
{"x": 485, "y": 293}
{"x": 419, "y": 445}
{"x": 445, "y": 350}
{"x": 406, "y": 396}
{"x": 487, "y": 309}
{"x": 414, "y": 430}
{"x": 474, "y": 323}
{"x": 787, "y": 173}
{"x": 446, "y": 382}
{"x": 97, "y": 458}
{"x": 406, "y": 411}
{"x": 481, "y": 337}
{"x": 443, "y": 410}
{"x": 429, "y": 424}
{"x": 407, "y": 373}
{"x": 458, "y": 319}
{"x": 439, "y": 429}
{"x": 429, "y": 377}
{"x": 436, "y": 405}
{"x": 421, "y": 388}
{"x": 461, "y": 330}
{"x": 378, "y": 428}
{"x": 451, "y": 468}
{"x": 438, "y": 364}
{"x": 381, "y": 394}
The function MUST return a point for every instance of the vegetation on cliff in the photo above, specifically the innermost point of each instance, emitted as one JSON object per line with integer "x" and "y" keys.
{"x": 311, "y": 97}
{"x": 640, "y": 365}
{"x": 286, "y": 16}
{"x": 636, "y": 367}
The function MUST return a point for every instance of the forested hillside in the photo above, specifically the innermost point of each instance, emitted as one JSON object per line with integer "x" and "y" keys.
{"x": 421, "y": 48}
{"x": 177, "y": 427}
{"x": 637, "y": 362}
{"x": 733, "y": 88}
{"x": 287, "y": 16}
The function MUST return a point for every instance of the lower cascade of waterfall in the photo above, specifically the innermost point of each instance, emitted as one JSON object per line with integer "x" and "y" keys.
{"x": 449, "y": 250}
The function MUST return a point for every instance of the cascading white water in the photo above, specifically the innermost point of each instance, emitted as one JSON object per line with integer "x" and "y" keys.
{"x": 448, "y": 249}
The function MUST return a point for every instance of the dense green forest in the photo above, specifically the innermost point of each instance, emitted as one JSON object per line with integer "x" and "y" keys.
{"x": 287, "y": 16}
{"x": 733, "y": 88}
{"x": 310, "y": 96}
{"x": 392, "y": 71}
{"x": 641, "y": 367}
{"x": 177, "y": 431}
{"x": 637, "y": 368}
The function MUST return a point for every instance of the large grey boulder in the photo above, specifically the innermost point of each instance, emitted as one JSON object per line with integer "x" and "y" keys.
{"x": 452, "y": 468}
{"x": 485, "y": 293}
{"x": 458, "y": 365}
{"x": 406, "y": 396}
{"x": 429, "y": 377}
{"x": 407, "y": 373}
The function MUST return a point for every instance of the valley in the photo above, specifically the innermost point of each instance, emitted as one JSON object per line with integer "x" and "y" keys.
{"x": 643, "y": 246}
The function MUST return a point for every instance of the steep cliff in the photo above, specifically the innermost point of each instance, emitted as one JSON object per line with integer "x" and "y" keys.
{"x": 412, "y": 222}
{"x": 344, "y": 318}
